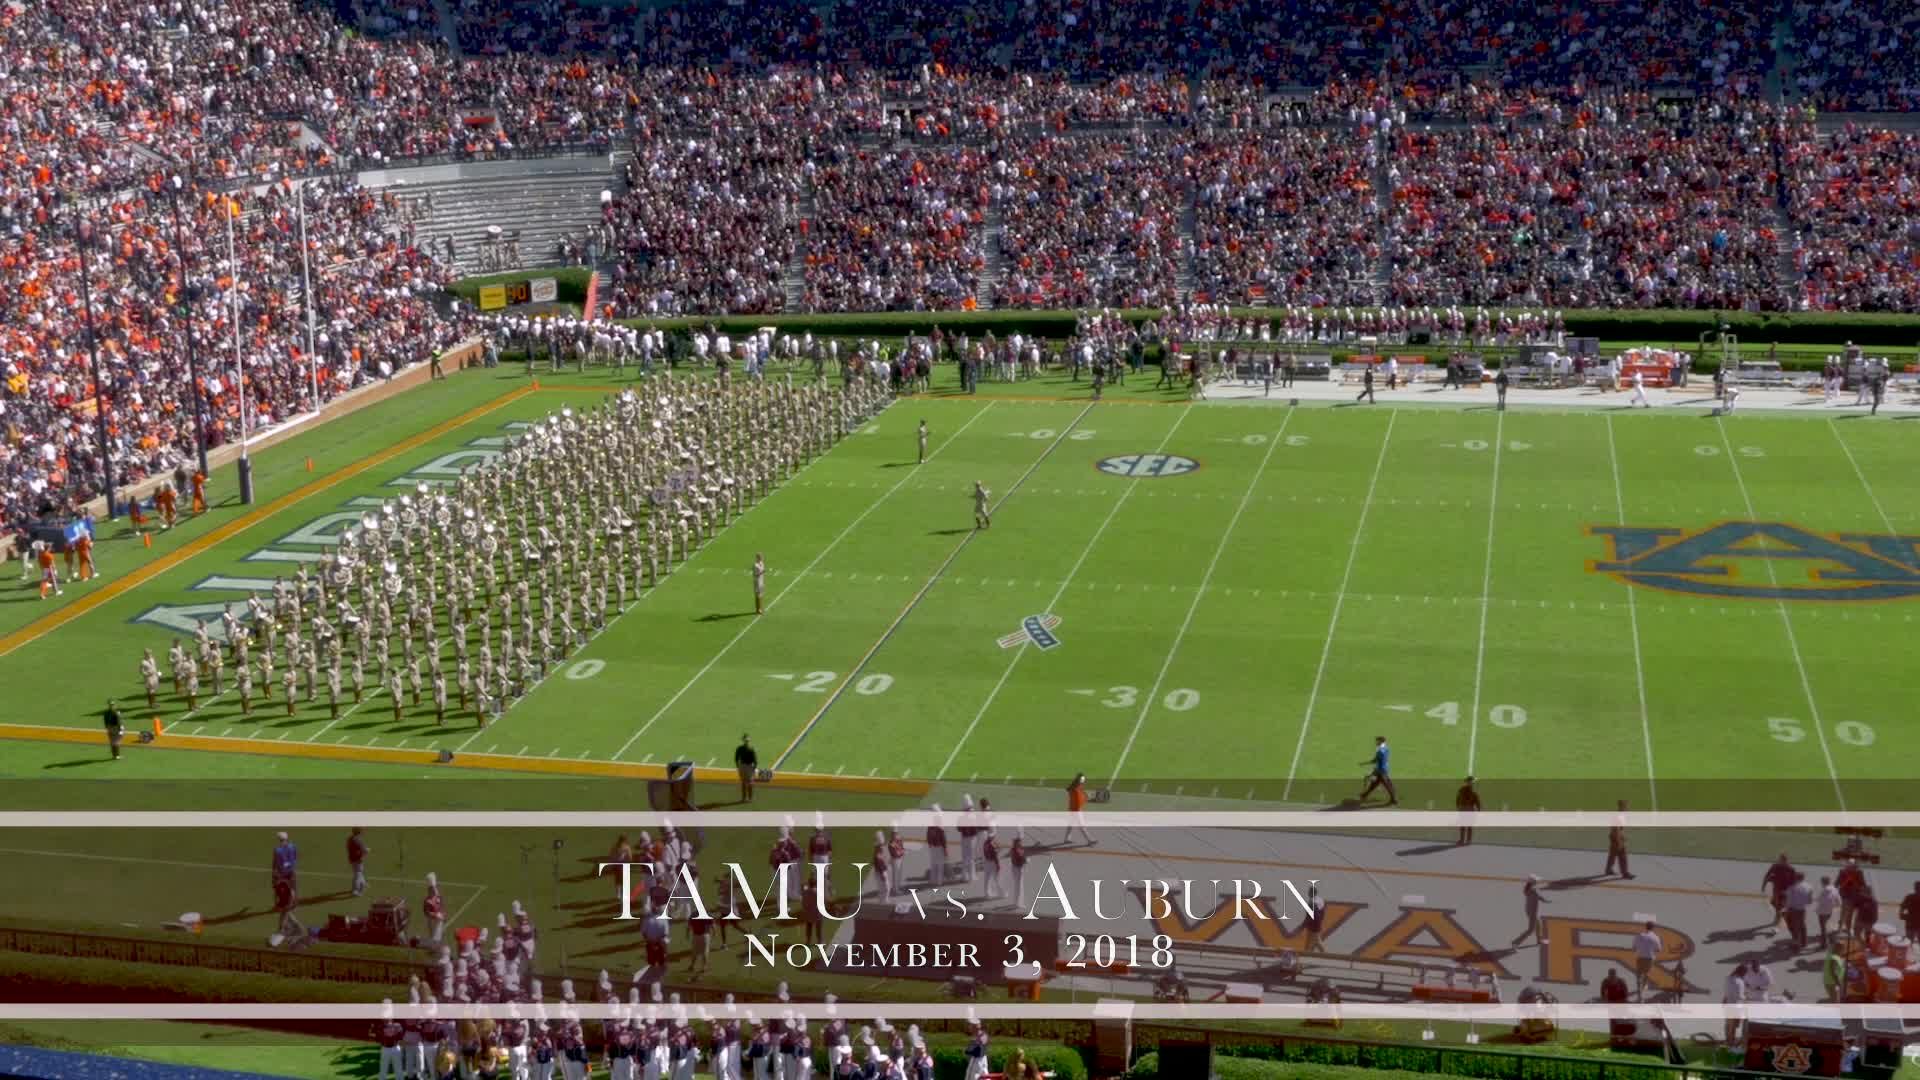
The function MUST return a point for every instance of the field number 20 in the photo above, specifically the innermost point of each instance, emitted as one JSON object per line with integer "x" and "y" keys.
{"x": 1851, "y": 732}
{"x": 819, "y": 682}
{"x": 1048, "y": 433}
{"x": 1124, "y": 697}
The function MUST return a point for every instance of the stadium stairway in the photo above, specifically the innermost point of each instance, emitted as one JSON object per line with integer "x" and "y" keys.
{"x": 1189, "y": 226}
{"x": 449, "y": 27}
{"x": 995, "y": 229}
{"x": 1383, "y": 196}
{"x": 793, "y": 281}
{"x": 543, "y": 200}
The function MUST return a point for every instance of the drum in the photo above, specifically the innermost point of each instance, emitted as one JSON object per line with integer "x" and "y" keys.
{"x": 1910, "y": 985}
{"x": 1897, "y": 949}
{"x": 1886, "y": 985}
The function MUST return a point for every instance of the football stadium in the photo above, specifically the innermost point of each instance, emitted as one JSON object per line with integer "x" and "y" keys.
{"x": 1087, "y": 538}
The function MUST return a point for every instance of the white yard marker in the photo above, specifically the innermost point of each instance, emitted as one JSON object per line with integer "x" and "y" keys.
{"x": 1326, "y": 647}
{"x": 1786, "y": 623}
{"x": 1633, "y": 627}
{"x": 1847, "y": 450}
{"x": 1486, "y": 591}
{"x": 1051, "y": 604}
{"x": 797, "y": 578}
{"x": 1146, "y": 705}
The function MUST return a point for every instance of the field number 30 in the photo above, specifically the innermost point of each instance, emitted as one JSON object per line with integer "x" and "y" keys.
{"x": 1851, "y": 732}
{"x": 1123, "y": 697}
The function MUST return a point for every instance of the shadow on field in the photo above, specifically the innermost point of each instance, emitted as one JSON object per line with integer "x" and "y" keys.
{"x": 720, "y": 617}
{"x": 75, "y": 763}
{"x": 355, "y": 1061}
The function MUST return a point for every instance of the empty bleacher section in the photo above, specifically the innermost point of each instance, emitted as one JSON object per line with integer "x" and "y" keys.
{"x": 502, "y": 215}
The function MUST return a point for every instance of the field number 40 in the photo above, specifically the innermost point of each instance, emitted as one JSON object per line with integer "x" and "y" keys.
{"x": 1506, "y": 716}
{"x": 1851, "y": 732}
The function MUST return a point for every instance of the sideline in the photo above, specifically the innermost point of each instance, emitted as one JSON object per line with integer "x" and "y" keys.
{"x": 494, "y": 762}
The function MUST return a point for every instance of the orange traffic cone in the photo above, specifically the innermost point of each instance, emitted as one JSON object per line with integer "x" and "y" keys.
{"x": 146, "y": 539}
{"x": 536, "y": 384}
{"x": 309, "y": 464}
{"x": 156, "y": 727}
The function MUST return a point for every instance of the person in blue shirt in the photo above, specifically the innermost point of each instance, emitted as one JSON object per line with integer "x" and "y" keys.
{"x": 286, "y": 859}
{"x": 1379, "y": 777}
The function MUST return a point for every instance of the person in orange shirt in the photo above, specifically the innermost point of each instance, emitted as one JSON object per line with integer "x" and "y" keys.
{"x": 1077, "y": 806}
{"x": 165, "y": 500}
{"x": 199, "y": 483}
{"x": 49, "y": 577}
{"x": 84, "y": 547}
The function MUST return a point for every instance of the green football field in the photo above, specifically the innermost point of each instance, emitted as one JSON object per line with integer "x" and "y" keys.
{"x": 1235, "y": 600}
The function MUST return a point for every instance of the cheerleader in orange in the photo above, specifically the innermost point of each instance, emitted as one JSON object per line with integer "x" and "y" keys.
{"x": 49, "y": 577}
{"x": 84, "y": 546}
{"x": 199, "y": 484}
{"x": 166, "y": 500}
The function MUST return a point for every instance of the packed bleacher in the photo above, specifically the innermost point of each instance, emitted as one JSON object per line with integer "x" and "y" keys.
{"x": 789, "y": 155}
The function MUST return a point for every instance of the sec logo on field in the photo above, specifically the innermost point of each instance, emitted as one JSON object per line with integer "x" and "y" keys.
{"x": 1147, "y": 466}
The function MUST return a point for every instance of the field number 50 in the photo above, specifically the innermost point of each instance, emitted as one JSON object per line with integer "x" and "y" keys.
{"x": 1851, "y": 732}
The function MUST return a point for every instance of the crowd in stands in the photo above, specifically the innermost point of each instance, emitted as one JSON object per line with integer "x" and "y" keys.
{"x": 373, "y": 314}
{"x": 1856, "y": 214}
{"x": 707, "y": 225}
{"x": 893, "y": 231}
{"x": 1285, "y": 216}
{"x": 1588, "y": 213}
{"x": 1858, "y": 54}
{"x": 1091, "y": 221}
{"x": 1058, "y": 153}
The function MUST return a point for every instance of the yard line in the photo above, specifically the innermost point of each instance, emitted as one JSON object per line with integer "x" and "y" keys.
{"x": 1844, "y": 448}
{"x": 797, "y": 578}
{"x": 1486, "y": 591}
{"x": 178, "y": 864}
{"x": 1339, "y": 601}
{"x": 1051, "y": 604}
{"x": 1219, "y": 549}
{"x": 1786, "y": 621}
{"x": 453, "y": 919}
{"x": 1633, "y": 627}
{"x": 350, "y": 711}
{"x": 939, "y": 572}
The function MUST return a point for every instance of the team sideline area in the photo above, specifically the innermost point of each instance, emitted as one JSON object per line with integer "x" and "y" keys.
{"x": 1211, "y": 600}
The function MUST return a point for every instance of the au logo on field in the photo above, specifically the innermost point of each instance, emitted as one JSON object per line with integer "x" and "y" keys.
{"x": 1718, "y": 561}
{"x": 1147, "y": 466}
{"x": 1035, "y": 628}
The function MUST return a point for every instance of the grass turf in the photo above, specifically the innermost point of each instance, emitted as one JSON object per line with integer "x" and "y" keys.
{"x": 1242, "y": 629}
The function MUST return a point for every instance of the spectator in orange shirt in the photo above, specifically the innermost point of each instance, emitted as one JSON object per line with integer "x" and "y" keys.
{"x": 1077, "y": 806}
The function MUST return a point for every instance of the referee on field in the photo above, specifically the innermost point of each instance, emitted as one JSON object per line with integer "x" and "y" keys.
{"x": 112, "y": 718}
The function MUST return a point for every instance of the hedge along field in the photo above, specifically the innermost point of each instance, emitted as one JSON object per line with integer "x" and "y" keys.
{"x": 1804, "y": 338}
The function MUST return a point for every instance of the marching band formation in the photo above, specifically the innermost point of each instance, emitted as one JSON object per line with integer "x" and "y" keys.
{"x": 655, "y": 1041}
{"x": 510, "y": 566}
